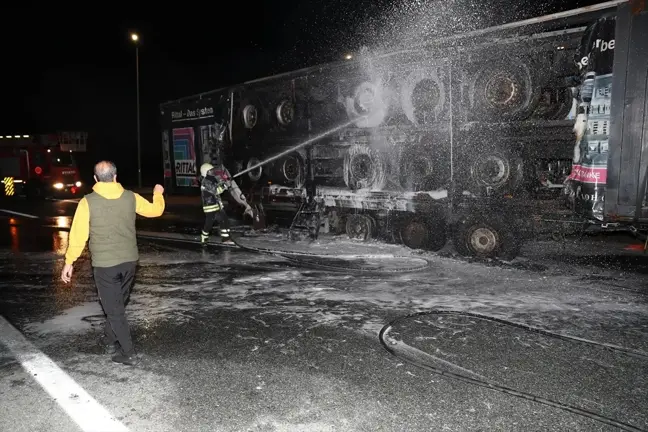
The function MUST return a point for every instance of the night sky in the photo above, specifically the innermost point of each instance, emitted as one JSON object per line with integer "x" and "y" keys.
{"x": 75, "y": 69}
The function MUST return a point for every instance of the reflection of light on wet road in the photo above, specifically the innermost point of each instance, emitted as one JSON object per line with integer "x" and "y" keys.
{"x": 63, "y": 222}
{"x": 60, "y": 242}
{"x": 15, "y": 238}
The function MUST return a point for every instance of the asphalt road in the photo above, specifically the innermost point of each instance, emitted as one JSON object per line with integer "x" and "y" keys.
{"x": 232, "y": 340}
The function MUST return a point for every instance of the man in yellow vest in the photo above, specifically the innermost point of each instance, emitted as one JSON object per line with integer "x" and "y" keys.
{"x": 107, "y": 218}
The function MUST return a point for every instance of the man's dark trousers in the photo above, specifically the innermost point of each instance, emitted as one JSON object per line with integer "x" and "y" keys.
{"x": 114, "y": 285}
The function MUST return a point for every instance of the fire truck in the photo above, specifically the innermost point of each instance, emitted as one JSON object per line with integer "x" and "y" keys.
{"x": 40, "y": 166}
{"x": 468, "y": 137}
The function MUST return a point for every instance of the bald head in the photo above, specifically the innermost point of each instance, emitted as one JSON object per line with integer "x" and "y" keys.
{"x": 105, "y": 171}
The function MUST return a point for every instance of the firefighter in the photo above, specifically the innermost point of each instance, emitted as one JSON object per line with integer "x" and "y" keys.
{"x": 214, "y": 181}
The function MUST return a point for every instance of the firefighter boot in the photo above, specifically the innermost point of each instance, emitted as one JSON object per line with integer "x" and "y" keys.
{"x": 225, "y": 236}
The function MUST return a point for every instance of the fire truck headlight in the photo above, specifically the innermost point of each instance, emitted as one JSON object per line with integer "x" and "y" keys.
{"x": 58, "y": 186}
{"x": 77, "y": 184}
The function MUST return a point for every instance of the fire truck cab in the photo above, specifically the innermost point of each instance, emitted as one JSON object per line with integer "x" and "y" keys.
{"x": 40, "y": 166}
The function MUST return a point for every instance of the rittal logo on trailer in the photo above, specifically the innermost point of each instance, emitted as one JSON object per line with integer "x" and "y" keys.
{"x": 187, "y": 168}
{"x": 184, "y": 156}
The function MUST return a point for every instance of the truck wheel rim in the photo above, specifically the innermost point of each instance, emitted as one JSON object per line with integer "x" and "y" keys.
{"x": 359, "y": 228}
{"x": 501, "y": 90}
{"x": 291, "y": 169}
{"x": 285, "y": 112}
{"x": 249, "y": 116}
{"x": 483, "y": 241}
{"x": 254, "y": 174}
{"x": 492, "y": 171}
{"x": 361, "y": 167}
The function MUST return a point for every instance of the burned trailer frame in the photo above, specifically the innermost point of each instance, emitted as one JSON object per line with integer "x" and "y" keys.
{"x": 417, "y": 179}
{"x": 494, "y": 144}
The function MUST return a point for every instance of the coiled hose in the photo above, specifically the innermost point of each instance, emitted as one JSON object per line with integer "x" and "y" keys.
{"x": 384, "y": 332}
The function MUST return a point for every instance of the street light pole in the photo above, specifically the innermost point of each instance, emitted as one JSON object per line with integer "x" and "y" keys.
{"x": 135, "y": 38}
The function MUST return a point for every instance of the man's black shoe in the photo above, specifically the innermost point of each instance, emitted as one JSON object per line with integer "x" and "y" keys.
{"x": 109, "y": 348}
{"x": 130, "y": 360}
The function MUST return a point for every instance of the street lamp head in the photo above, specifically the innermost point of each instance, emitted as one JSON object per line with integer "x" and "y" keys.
{"x": 348, "y": 57}
{"x": 134, "y": 37}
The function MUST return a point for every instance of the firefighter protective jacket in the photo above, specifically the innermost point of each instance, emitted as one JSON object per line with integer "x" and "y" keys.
{"x": 211, "y": 188}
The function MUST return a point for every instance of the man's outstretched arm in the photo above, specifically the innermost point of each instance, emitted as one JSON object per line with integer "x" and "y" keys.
{"x": 150, "y": 209}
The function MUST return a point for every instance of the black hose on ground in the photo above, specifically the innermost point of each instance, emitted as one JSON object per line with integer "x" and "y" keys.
{"x": 507, "y": 390}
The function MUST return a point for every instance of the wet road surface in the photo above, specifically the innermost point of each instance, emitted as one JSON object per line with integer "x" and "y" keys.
{"x": 238, "y": 341}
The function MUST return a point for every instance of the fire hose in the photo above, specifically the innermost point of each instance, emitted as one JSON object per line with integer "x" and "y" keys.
{"x": 392, "y": 347}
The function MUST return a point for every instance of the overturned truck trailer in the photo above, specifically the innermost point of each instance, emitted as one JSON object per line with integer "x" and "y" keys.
{"x": 463, "y": 137}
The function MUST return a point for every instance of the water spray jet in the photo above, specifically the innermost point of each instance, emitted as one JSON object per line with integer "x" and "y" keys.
{"x": 298, "y": 146}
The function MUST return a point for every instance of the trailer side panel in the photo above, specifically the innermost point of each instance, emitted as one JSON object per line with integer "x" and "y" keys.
{"x": 628, "y": 162}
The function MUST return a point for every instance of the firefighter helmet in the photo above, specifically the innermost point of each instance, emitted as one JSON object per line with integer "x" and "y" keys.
{"x": 204, "y": 169}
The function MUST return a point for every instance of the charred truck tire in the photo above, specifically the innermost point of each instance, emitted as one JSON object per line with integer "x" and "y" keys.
{"x": 360, "y": 227}
{"x": 493, "y": 169}
{"x": 487, "y": 237}
{"x": 423, "y": 167}
{"x": 423, "y": 96}
{"x": 364, "y": 168}
{"x": 289, "y": 171}
{"x": 504, "y": 90}
{"x": 367, "y": 103}
{"x": 418, "y": 232}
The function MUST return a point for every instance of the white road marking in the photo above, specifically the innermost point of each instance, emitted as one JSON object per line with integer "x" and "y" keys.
{"x": 19, "y": 214}
{"x": 86, "y": 412}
